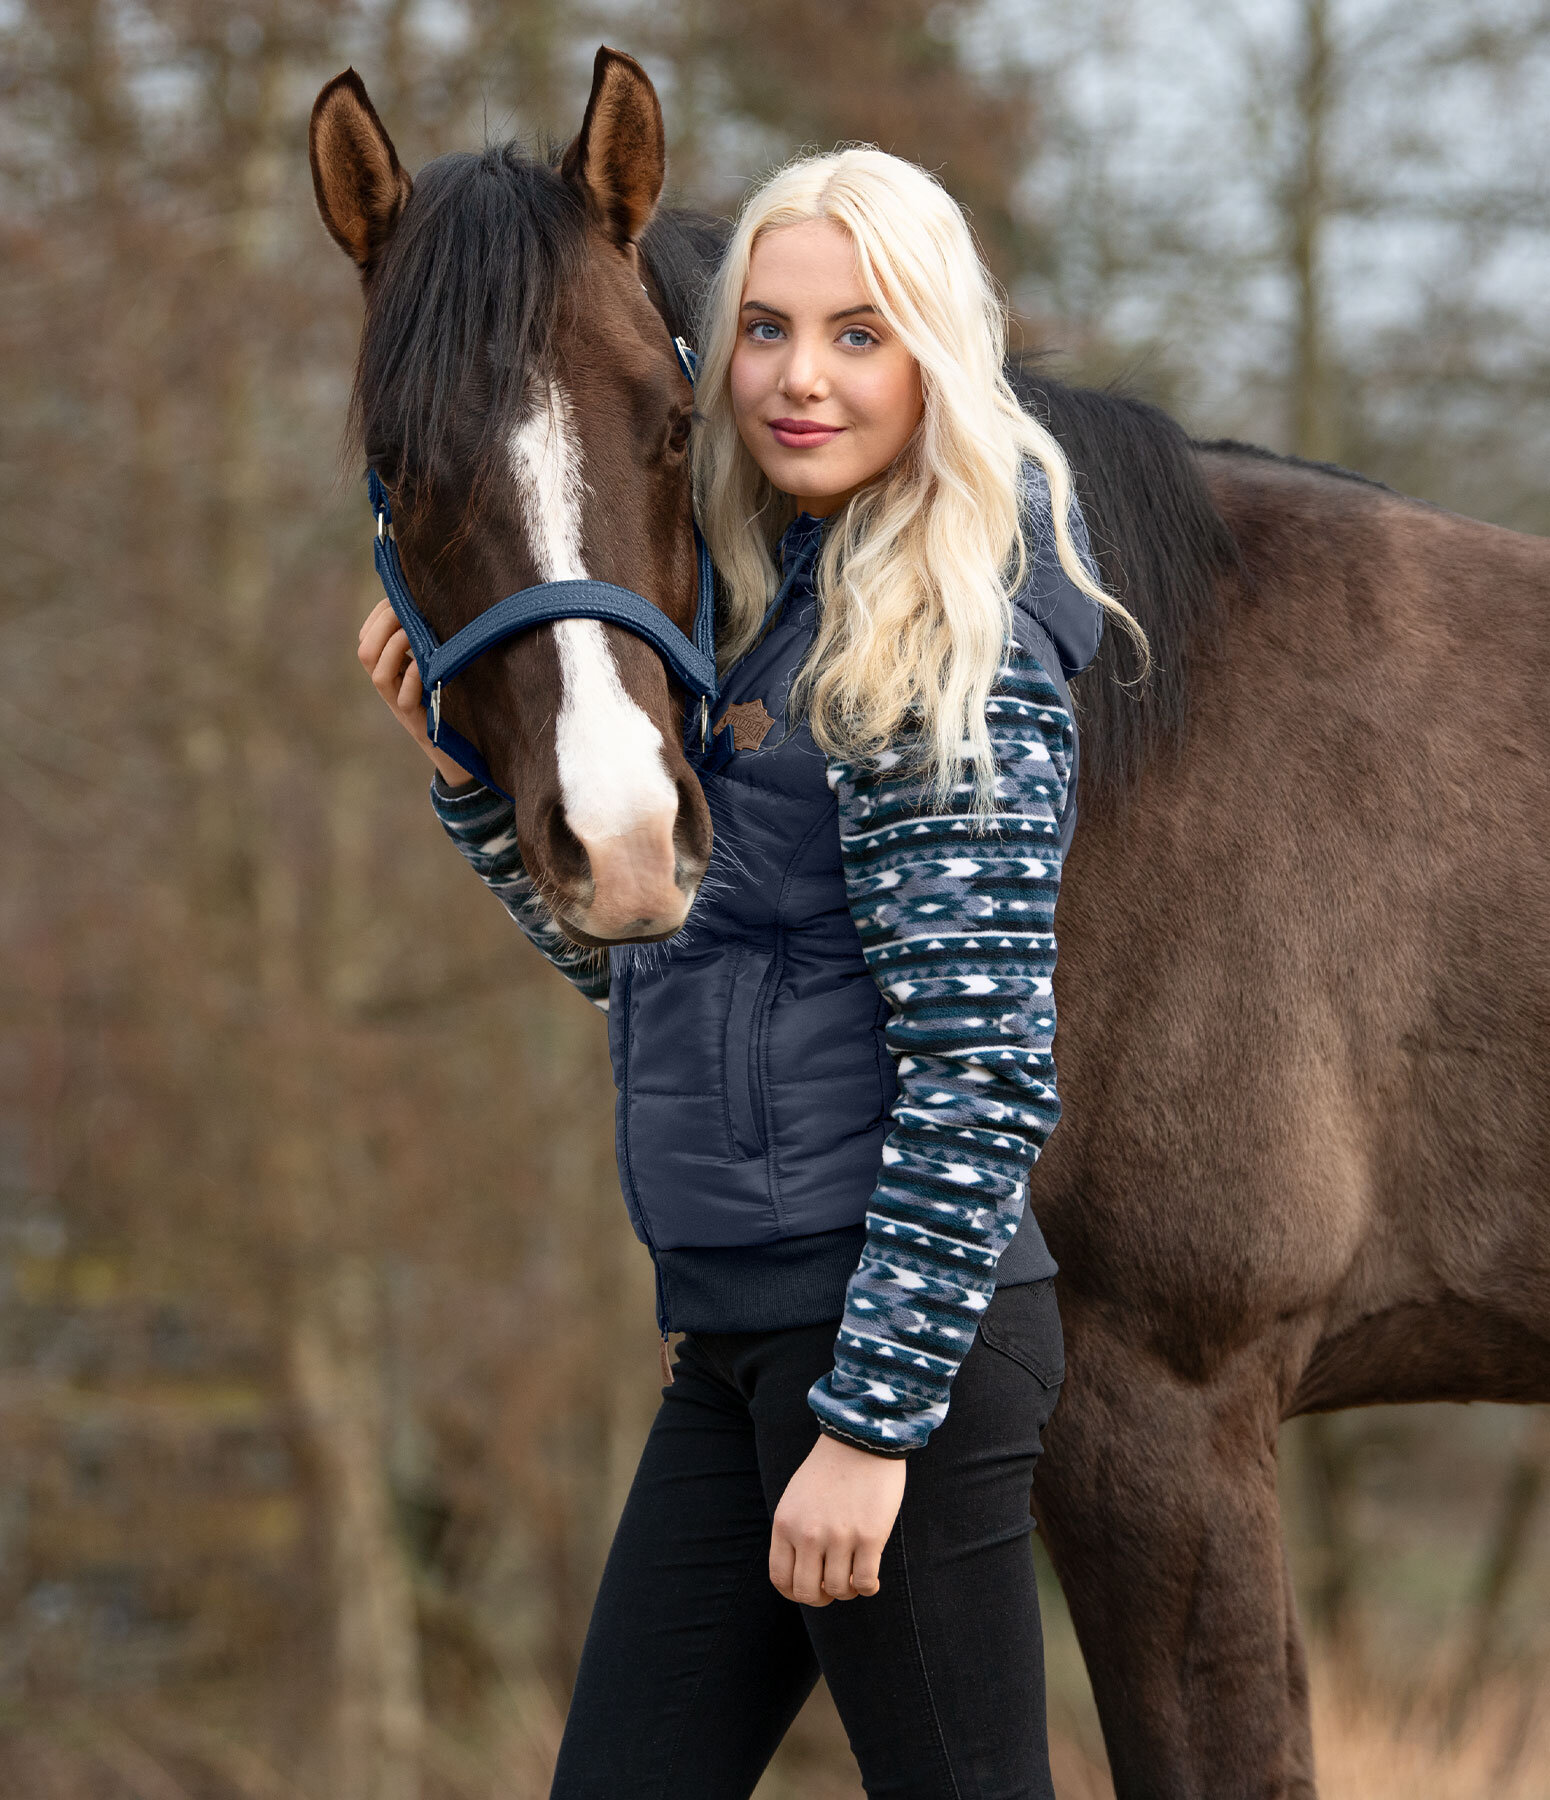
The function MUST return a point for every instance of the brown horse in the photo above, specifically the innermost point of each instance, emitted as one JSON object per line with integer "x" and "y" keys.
{"x": 1304, "y": 978}
{"x": 1305, "y": 988}
{"x": 518, "y": 393}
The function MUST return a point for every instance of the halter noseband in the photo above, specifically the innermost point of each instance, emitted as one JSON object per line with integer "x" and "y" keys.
{"x": 693, "y": 662}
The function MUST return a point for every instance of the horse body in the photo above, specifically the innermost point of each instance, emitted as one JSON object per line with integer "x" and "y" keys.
{"x": 1304, "y": 977}
{"x": 1304, "y": 994}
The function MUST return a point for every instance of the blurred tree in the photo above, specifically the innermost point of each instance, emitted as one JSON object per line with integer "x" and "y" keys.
{"x": 912, "y": 76}
{"x": 1314, "y": 430}
{"x": 1328, "y": 212}
{"x": 1504, "y": 1564}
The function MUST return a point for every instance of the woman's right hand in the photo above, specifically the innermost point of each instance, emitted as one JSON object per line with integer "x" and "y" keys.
{"x": 385, "y": 656}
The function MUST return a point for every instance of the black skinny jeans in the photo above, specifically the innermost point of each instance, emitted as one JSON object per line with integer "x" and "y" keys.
{"x": 694, "y": 1666}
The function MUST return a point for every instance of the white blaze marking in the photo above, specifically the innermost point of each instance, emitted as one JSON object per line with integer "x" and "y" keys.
{"x": 612, "y": 776}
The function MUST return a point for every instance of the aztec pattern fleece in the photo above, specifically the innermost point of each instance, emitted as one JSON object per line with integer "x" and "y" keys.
{"x": 956, "y": 920}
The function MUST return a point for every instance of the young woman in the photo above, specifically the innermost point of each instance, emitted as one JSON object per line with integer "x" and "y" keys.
{"x": 834, "y": 1081}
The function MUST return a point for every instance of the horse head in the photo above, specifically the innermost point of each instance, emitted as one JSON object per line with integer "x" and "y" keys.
{"x": 518, "y": 393}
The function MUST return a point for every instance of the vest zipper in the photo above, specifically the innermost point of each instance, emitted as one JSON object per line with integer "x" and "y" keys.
{"x": 629, "y": 1175}
{"x": 656, "y": 1270}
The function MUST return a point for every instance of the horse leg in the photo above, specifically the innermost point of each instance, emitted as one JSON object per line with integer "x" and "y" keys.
{"x": 1300, "y": 1744}
{"x": 1157, "y": 1499}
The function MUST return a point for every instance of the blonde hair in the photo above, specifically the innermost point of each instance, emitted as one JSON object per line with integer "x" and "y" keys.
{"x": 918, "y": 568}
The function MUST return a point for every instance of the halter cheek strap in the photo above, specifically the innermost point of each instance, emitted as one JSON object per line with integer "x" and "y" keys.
{"x": 691, "y": 660}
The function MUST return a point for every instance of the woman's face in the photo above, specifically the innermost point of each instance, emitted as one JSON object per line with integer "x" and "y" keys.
{"x": 824, "y": 394}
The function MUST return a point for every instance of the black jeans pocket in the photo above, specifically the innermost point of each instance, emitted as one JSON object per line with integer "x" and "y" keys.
{"x": 1023, "y": 1322}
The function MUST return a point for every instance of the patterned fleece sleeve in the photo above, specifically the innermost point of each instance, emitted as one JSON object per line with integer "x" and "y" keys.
{"x": 957, "y": 920}
{"x": 481, "y": 823}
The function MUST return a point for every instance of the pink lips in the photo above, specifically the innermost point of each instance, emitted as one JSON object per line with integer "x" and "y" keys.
{"x": 803, "y": 434}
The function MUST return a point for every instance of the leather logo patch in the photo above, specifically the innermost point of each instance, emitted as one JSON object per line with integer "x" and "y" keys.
{"x": 750, "y": 724}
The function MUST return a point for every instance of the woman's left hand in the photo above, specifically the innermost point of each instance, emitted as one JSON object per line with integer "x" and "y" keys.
{"x": 832, "y": 1523}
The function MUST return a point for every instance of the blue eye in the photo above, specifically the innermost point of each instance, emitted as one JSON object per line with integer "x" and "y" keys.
{"x": 848, "y": 338}
{"x": 758, "y": 328}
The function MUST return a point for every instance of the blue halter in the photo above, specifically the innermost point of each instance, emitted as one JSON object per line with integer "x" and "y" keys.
{"x": 693, "y": 662}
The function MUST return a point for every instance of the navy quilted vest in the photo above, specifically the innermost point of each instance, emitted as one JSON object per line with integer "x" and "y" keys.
{"x": 754, "y": 1081}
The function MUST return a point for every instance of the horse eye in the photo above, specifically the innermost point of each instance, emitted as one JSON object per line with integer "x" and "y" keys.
{"x": 678, "y": 434}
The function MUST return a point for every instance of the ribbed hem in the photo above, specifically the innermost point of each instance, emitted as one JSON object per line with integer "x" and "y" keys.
{"x": 799, "y": 1281}
{"x": 760, "y": 1287}
{"x": 454, "y": 796}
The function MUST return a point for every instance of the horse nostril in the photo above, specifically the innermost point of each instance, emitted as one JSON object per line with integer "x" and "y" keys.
{"x": 568, "y": 859}
{"x": 691, "y": 829}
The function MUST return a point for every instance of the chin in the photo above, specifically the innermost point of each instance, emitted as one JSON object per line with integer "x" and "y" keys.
{"x": 804, "y": 474}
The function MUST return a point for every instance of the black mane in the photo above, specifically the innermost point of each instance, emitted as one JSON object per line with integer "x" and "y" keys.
{"x": 462, "y": 309}
{"x": 1163, "y": 550}
{"x": 682, "y": 249}
{"x": 1258, "y": 453}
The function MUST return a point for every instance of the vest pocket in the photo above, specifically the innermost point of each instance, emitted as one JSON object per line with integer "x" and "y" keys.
{"x": 740, "y": 1067}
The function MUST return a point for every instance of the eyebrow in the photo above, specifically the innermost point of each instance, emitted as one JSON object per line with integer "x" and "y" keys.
{"x": 850, "y": 312}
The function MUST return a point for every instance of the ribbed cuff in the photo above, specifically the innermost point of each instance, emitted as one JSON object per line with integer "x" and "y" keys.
{"x": 893, "y": 1453}
{"x": 453, "y": 796}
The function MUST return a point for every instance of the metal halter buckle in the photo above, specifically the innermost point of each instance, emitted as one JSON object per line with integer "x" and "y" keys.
{"x": 436, "y": 713}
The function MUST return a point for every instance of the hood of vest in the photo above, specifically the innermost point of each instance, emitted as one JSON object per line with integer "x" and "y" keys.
{"x": 1072, "y": 620}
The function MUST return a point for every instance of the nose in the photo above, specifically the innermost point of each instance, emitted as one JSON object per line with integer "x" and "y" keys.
{"x": 634, "y": 883}
{"x": 635, "y": 891}
{"x": 803, "y": 377}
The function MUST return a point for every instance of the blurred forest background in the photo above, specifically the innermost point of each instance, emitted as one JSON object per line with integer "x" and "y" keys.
{"x": 325, "y": 1350}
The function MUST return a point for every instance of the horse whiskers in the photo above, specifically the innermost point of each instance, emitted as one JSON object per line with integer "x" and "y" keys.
{"x": 546, "y": 892}
{"x": 724, "y": 850}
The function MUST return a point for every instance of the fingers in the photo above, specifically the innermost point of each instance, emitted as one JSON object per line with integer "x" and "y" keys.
{"x": 388, "y": 674}
{"x": 408, "y": 699}
{"x": 816, "y": 1573}
{"x": 396, "y": 677}
{"x": 807, "y": 1578}
{"x": 381, "y": 623}
{"x": 837, "y": 1583}
{"x": 383, "y": 649}
{"x": 783, "y": 1562}
{"x": 852, "y": 1569}
{"x": 797, "y": 1566}
{"x": 866, "y": 1569}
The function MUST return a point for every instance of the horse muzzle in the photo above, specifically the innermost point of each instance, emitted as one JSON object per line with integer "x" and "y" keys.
{"x": 639, "y": 888}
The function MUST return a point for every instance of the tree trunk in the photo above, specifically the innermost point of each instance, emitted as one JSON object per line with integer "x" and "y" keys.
{"x": 1507, "y": 1554}
{"x": 376, "y": 1722}
{"x": 277, "y": 906}
{"x": 1314, "y": 423}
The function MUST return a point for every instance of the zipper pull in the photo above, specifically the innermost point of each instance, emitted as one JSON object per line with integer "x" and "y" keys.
{"x": 667, "y": 1367}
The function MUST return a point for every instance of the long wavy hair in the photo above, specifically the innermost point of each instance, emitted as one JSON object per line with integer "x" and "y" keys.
{"x": 917, "y": 570}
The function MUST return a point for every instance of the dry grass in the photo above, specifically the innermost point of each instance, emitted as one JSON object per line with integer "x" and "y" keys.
{"x": 1369, "y": 1746}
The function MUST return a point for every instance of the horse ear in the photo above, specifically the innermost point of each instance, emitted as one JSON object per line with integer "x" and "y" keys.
{"x": 360, "y": 187}
{"x": 619, "y": 158}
